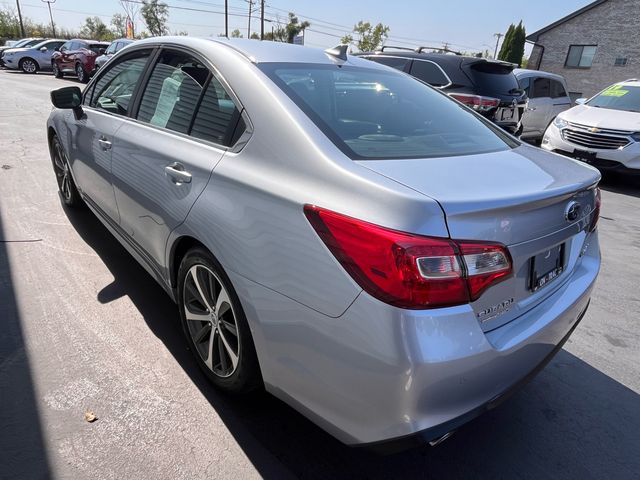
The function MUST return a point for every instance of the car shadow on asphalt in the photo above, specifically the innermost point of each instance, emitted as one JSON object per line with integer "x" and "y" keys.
{"x": 623, "y": 184}
{"x": 22, "y": 448}
{"x": 571, "y": 421}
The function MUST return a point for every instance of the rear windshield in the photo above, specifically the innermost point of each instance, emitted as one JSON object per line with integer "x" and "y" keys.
{"x": 494, "y": 79}
{"x": 374, "y": 114}
{"x": 618, "y": 97}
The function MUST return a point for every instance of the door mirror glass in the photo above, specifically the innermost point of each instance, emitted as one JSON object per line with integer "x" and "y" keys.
{"x": 581, "y": 101}
{"x": 67, "y": 97}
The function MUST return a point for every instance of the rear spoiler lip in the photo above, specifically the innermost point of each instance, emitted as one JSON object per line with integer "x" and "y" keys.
{"x": 474, "y": 61}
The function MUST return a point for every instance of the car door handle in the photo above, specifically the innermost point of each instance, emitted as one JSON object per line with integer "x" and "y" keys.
{"x": 104, "y": 143}
{"x": 178, "y": 173}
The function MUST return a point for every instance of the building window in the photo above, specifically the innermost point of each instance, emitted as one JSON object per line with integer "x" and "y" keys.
{"x": 580, "y": 56}
{"x": 621, "y": 62}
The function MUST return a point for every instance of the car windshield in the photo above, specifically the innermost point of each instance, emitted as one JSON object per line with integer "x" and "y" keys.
{"x": 375, "y": 114}
{"x": 618, "y": 97}
{"x": 40, "y": 44}
{"x": 29, "y": 43}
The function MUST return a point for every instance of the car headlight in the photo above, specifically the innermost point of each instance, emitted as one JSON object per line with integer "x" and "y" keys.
{"x": 560, "y": 122}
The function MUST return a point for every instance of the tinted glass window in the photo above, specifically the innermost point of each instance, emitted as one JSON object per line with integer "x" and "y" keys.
{"x": 618, "y": 97}
{"x": 66, "y": 46}
{"x": 372, "y": 114}
{"x": 397, "y": 63}
{"x": 216, "y": 115}
{"x": 429, "y": 72}
{"x": 96, "y": 47}
{"x": 30, "y": 43}
{"x": 114, "y": 88}
{"x": 557, "y": 89}
{"x": 524, "y": 84}
{"x": 112, "y": 48}
{"x": 171, "y": 96}
{"x": 53, "y": 45}
{"x": 580, "y": 56}
{"x": 494, "y": 79}
{"x": 541, "y": 88}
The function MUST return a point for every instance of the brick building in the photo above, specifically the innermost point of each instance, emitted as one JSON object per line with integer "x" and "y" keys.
{"x": 593, "y": 47}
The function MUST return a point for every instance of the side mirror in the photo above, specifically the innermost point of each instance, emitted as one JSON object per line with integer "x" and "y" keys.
{"x": 68, "y": 98}
{"x": 581, "y": 101}
{"x": 43, "y": 49}
{"x": 57, "y": 49}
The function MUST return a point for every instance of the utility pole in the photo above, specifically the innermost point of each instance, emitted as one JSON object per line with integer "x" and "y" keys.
{"x": 53, "y": 27}
{"x": 226, "y": 18}
{"x": 498, "y": 37}
{"x": 262, "y": 20}
{"x": 249, "y": 26}
{"x": 20, "y": 17}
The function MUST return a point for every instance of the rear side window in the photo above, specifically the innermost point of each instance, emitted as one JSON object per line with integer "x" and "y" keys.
{"x": 216, "y": 116}
{"x": 429, "y": 72}
{"x": 557, "y": 89}
{"x": 114, "y": 88}
{"x": 494, "y": 79}
{"x": 541, "y": 88}
{"x": 172, "y": 93}
{"x": 96, "y": 47}
{"x": 375, "y": 114}
{"x": 394, "y": 62}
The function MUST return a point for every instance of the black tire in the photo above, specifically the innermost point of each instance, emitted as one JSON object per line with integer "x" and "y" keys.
{"x": 246, "y": 375}
{"x": 28, "y": 65}
{"x": 56, "y": 70}
{"x": 66, "y": 185}
{"x": 82, "y": 75}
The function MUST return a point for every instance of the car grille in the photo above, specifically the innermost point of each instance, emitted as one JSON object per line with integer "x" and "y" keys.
{"x": 603, "y": 139}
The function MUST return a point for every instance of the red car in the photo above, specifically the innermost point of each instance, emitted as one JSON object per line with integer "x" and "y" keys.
{"x": 77, "y": 57}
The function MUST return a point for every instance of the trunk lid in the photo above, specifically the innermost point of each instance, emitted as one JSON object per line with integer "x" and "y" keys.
{"x": 516, "y": 197}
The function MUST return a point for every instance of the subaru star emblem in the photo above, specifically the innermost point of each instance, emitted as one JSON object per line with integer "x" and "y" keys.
{"x": 572, "y": 211}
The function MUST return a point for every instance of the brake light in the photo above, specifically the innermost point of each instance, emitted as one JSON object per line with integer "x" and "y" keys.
{"x": 595, "y": 214}
{"x": 406, "y": 270}
{"x": 477, "y": 102}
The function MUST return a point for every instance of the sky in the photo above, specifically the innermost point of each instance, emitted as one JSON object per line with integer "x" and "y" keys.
{"x": 467, "y": 25}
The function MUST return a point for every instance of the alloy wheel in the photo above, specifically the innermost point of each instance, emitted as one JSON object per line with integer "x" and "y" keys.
{"x": 29, "y": 66}
{"x": 211, "y": 321}
{"x": 61, "y": 166}
{"x": 80, "y": 72}
{"x": 54, "y": 67}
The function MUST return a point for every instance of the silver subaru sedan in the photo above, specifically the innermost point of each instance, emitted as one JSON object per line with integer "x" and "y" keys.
{"x": 369, "y": 250}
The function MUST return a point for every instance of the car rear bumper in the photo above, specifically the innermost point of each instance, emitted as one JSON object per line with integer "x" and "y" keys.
{"x": 379, "y": 374}
{"x": 624, "y": 160}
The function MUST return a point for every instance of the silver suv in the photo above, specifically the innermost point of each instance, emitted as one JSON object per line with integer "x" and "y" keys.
{"x": 374, "y": 253}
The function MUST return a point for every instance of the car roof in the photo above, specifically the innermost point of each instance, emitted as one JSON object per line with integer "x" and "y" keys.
{"x": 539, "y": 73}
{"x": 258, "y": 51}
{"x": 632, "y": 82}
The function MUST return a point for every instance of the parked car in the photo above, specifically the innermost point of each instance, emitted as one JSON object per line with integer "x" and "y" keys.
{"x": 112, "y": 49}
{"x": 548, "y": 97}
{"x": 77, "y": 57}
{"x": 487, "y": 86}
{"x": 603, "y": 131}
{"x": 25, "y": 42}
{"x": 32, "y": 59}
{"x": 306, "y": 211}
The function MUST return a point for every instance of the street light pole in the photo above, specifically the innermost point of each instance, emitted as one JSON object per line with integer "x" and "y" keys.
{"x": 498, "y": 36}
{"x": 20, "y": 17}
{"x": 53, "y": 27}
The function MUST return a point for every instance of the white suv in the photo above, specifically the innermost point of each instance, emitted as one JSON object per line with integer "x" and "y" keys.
{"x": 603, "y": 131}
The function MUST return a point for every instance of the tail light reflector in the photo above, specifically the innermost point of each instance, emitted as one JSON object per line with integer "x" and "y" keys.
{"x": 477, "y": 102}
{"x": 595, "y": 214}
{"x": 406, "y": 270}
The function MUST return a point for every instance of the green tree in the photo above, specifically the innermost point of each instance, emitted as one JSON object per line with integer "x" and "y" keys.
{"x": 236, "y": 33}
{"x": 255, "y": 36}
{"x": 95, "y": 29}
{"x": 155, "y": 15}
{"x": 9, "y": 24}
{"x": 512, "y": 49}
{"x": 119, "y": 25}
{"x": 369, "y": 37}
{"x": 294, "y": 27}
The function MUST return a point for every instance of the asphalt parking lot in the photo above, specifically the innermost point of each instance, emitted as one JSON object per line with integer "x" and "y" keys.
{"x": 83, "y": 327}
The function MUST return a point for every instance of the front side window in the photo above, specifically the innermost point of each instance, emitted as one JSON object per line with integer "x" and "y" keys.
{"x": 580, "y": 56}
{"x": 171, "y": 96}
{"x": 112, "y": 49}
{"x": 375, "y": 114}
{"x": 217, "y": 115}
{"x": 429, "y": 72}
{"x": 115, "y": 87}
{"x": 66, "y": 46}
{"x": 557, "y": 89}
{"x": 618, "y": 97}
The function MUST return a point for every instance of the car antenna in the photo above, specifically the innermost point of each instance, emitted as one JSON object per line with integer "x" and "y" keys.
{"x": 339, "y": 51}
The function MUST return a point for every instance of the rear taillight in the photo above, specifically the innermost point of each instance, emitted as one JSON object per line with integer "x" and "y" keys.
{"x": 477, "y": 102}
{"x": 595, "y": 214}
{"x": 406, "y": 270}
